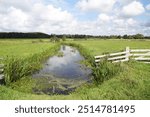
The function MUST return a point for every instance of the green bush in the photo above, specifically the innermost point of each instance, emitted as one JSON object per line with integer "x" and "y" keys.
{"x": 104, "y": 71}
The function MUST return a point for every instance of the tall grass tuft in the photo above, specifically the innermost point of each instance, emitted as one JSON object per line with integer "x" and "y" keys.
{"x": 105, "y": 71}
{"x": 17, "y": 68}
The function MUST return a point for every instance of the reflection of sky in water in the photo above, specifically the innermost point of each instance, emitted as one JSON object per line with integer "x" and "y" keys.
{"x": 67, "y": 66}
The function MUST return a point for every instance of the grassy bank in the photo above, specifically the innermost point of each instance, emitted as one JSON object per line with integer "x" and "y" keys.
{"x": 17, "y": 67}
{"x": 132, "y": 82}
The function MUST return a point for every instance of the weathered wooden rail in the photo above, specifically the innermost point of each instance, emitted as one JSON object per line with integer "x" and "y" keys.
{"x": 142, "y": 55}
{"x": 1, "y": 70}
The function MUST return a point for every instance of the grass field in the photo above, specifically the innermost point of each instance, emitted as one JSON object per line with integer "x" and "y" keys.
{"x": 23, "y": 57}
{"x": 97, "y": 47}
{"x": 22, "y": 48}
{"x": 132, "y": 83}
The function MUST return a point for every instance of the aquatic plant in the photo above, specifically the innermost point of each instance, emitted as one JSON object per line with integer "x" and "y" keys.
{"x": 60, "y": 54}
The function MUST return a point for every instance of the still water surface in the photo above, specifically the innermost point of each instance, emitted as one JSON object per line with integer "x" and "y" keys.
{"x": 64, "y": 71}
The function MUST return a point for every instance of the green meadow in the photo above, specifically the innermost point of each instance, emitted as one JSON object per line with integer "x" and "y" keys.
{"x": 126, "y": 81}
{"x": 23, "y": 47}
{"x": 98, "y": 47}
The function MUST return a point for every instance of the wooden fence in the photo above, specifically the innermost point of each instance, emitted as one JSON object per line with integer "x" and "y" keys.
{"x": 142, "y": 55}
{"x": 1, "y": 69}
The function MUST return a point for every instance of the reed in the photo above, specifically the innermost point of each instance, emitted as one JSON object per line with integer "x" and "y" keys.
{"x": 104, "y": 71}
{"x": 17, "y": 68}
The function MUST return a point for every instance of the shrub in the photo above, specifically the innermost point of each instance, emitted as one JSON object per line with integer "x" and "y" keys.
{"x": 104, "y": 71}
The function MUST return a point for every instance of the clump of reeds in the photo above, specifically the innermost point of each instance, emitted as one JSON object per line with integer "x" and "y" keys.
{"x": 105, "y": 70}
{"x": 17, "y": 68}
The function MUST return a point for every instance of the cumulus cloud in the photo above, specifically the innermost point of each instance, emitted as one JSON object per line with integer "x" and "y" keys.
{"x": 148, "y": 7}
{"x": 132, "y": 22}
{"x": 125, "y": 2}
{"x": 50, "y": 19}
{"x": 98, "y": 5}
{"x": 44, "y": 16}
{"x": 41, "y": 17}
{"x": 133, "y": 9}
{"x": 25, "y": 5}
{"x": 117, "y": 26}
{"x": 104, "y": 17}
{"x": 50, "y": 13}
{"x": 14, "y": 19}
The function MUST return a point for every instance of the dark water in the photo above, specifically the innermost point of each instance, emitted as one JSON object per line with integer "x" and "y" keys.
{"x": 63, "y": 72}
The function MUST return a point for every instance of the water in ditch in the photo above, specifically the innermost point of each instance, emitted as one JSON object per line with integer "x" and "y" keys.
{"x": 63, "y": 73}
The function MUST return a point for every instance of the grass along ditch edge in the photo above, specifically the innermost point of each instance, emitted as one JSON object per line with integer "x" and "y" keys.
{"x": 17, "y": 68}
{"x": 100, "y": 72}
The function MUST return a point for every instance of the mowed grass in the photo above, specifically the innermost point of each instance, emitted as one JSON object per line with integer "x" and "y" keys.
{"x": 132, "y": 83}
{"x": 23, "y": 47}
{"x": 97, "y": 47}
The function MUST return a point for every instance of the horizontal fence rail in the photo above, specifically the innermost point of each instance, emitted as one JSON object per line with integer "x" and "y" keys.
{"x": 142, "y": 55}
{"x": 1, "y": 70}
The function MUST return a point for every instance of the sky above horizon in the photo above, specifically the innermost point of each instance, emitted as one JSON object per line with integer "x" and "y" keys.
{"x": 91, "y": 17}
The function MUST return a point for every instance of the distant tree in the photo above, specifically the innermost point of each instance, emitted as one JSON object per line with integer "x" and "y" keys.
{"x": 147, "y": 37}
{"x": 130, "y": 37}
{"x": 125, "y": 36}
{"x": 64, "y": 38}
{"x": 23, "y": 35}
{"x": 119, "y": 37}
{"x": 54, "y": 38}
{"x": 138, "y": 36}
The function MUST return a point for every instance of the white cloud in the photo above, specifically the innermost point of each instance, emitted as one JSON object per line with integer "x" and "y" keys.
{"x": 36, "y": 15}
{"x": 104, "y": 17}
{"x": 25, "y": 5}
{"x": 14, "y": 19}
{"x": 96, "y": 5}
{"x": 125, "y": 2}
{"x": 50, "y": 13}
{"x": 52, "y": 20}
{"x": 148, "y": 7}
{"x": 133, "y": 9}
{"x": 41, "y": 17}
{"x": 118, "y": 26}
{"x": 110, "y": 25}
{"x": 131, "y": 22}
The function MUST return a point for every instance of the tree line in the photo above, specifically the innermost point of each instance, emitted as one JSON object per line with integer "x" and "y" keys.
{"x": 63, "y": 36}
{"x": 23, "y": 35}
{"x": 77, "y": 36}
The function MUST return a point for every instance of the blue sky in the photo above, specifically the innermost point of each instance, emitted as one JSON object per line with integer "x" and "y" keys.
{"x": 95, "y": 17}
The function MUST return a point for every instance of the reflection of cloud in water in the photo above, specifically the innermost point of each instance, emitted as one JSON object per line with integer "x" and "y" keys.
{"x": 65, "y": 60}
{"x": 65, "y": 66}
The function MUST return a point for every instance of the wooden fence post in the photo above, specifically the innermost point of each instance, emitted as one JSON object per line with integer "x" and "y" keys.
{"x": 127, "y": 53}
{"x": 1, "y": 70}
{"x": 142, "y": 55}
{"x": 53, "y": 89}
